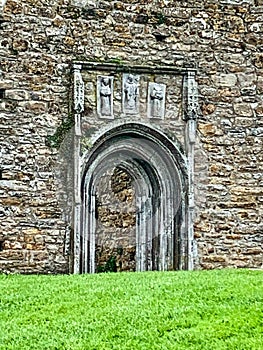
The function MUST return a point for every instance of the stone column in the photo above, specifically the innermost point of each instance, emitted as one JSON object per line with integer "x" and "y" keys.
{"x": 78, "y": 106}
{"x": 149, "y": 234}
{"x": 191, "y": 109}
{"x": 92, "y": 234}
{"x": 138, "y": 238}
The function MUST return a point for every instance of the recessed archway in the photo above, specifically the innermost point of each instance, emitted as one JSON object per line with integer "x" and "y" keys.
{"x": 157, "y": 169}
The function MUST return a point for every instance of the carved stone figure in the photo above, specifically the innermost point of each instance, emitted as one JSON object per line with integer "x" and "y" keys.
{"x": 130, "y": 93}
{"x": 156, "y": 100}
{"x": 105, "y": 96}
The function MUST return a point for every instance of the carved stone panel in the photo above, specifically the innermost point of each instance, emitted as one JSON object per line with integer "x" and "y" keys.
{"x": 78, "y": 90}
{"x": 130, "y": 93}
{"x": 105, "y": 96}
{"x": 156, "y": 100}
{"x": 190, "y": 89}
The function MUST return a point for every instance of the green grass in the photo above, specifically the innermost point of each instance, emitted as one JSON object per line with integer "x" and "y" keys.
{"x": 213, "y": 310}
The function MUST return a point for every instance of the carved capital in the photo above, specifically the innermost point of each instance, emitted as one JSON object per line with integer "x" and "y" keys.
{"x": 190, "y": 96}
{"x": 78, "y": 89}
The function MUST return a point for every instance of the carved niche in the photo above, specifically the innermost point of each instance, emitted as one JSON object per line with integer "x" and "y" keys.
{"x": 130, "y": 93}
{"x": 156, "y": 100}
{"x": 105, "y": 96}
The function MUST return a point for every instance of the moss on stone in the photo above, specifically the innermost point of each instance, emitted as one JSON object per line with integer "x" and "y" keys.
{"x": 57, "y": 138}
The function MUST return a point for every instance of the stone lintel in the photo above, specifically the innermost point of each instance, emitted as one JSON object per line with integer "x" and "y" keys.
{"x": 122, "y": 67}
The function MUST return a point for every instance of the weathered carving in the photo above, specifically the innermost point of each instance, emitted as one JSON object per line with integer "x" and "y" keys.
{"x": 191, "y": 105}
{"x": 105, "y": 96}
{"x": 78, "y": 90}
{"x": 156, "y": 100}
{"x": 130, "y": 93}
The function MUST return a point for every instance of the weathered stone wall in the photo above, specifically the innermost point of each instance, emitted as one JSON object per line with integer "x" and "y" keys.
{"x": 39, "y": 40}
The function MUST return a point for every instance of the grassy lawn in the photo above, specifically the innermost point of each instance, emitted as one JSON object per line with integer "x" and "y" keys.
{"x": 220, "y": 309}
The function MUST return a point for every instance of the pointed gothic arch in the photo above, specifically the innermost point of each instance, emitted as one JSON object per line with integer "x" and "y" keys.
{"x": 159, "y": 171}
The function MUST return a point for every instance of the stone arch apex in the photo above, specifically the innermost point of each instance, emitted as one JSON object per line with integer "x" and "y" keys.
{"x": 143, "y": 129}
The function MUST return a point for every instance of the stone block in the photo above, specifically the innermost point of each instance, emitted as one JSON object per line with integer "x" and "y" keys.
{"x": 233, "y": 237}
{"x": 60, "y": 259}
{"x": 244, "y": 122}
{"x": 20, "y": 45}
{"x": 253, "y": 251}
{"x": 208, "y": 109}
{"x": 13, "y": 7}
{"x": 10, "y": 201}
{"x": 207, "y": 129}
{"x": 243, "y": 109}
{"x": 225, "y": 80}
{"x": 259, "y": 110}
{"x": 6, "y": 84}
{"x": 258, "y": 60}
{"x": 214, "y": 258}
{"x": 69, "y": 41}
{"x": 35, "y": 106}
{"x": 18, "y": 95}
{"x": 246, "y": 80}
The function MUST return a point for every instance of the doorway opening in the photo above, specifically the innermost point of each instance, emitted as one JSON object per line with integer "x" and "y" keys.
{"x": 115, "y": 236}
{"x": 134, "y": 213}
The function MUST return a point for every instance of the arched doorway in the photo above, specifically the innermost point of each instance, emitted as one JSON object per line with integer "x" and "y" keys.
{"x": 157, "y": 170}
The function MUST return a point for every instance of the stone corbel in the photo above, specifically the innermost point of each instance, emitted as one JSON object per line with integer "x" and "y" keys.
{"x": 78, "y": 97}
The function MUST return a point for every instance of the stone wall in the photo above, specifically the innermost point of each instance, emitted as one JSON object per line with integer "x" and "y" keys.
{"x": 40, "y": 39}
{"x": 115, "y": 231}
